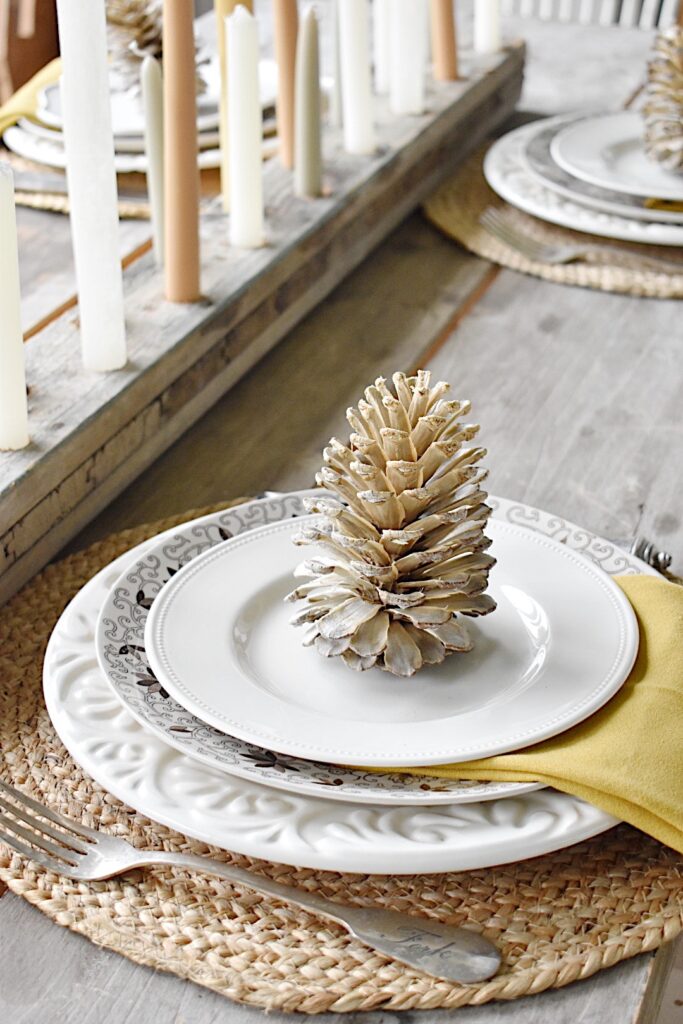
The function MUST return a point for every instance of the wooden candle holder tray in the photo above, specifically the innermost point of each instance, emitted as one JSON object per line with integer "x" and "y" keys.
{"x": 92, "y": 434}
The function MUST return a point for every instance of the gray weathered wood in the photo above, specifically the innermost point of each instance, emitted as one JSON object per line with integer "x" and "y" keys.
{"x": 182, "y": 358}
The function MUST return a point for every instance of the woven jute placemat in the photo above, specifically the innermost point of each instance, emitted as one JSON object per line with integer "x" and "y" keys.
{"x": 556, "y": 919}
{"x": 457, "y": 205}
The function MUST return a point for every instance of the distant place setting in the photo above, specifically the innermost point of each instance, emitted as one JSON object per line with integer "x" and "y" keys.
{"x": 340, "y": 390}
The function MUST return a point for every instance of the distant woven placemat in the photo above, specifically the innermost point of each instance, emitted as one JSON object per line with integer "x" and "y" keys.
{"x": 456, "y": 206}
{"x": 556, "y": 919}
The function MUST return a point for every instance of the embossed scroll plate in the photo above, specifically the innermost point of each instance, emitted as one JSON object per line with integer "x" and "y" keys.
{"x": 123, "y": 659}
{"x": 169, "y": 787}
{"x": 560, "y": 643}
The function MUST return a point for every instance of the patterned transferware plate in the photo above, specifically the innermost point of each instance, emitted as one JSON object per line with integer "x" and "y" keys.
{"x": 507, "y": 172}
{"x": 561, "y": 642}
{"x": 541, "y": 164}
{"x": 151, "y": 777}
{"x": 121, "y": 651}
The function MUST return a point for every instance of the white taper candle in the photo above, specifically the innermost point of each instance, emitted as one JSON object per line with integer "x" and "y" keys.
{"x": 354, "y": 39}
{"x": 244, "y": 130}
{"x": 381, "y": 44}
{"x": 487, "y": 32}
{"x": 408, "y": 56}
{"x": 13, "y": 410}
{"x": 153, "y": 106}
{"x": 93, "y": 199}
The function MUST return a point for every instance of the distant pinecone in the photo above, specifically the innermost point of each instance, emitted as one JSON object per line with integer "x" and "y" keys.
{"x": 663, "y": 109}
{"x": 138, "y": 24}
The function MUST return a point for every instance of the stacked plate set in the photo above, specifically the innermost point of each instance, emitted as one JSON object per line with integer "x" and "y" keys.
{"x": 175, "y": 679}
{"x": 40, "y": 138}
{"x": 592, "y": 174}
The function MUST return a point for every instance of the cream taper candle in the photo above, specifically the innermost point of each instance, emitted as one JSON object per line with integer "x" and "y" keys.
{"x": 334, "y": 105}
{"x": 222, "y": 9}
{"x": 381, "y": 44}
{"x": 408, "y": 56}
{"x": 91, "y": 176}
{"x": 286, "y": 17}
{"x": 181, "y": 170}
{"x": 307, "y": 126}
{"x": 13, "y": 410}
{"x": 244, "y": 130}
{"x": 152, "y": 88}
{"x": 444, "y": 46}
{"x": 354, "y": 39}
{"x": 487, "y": 34}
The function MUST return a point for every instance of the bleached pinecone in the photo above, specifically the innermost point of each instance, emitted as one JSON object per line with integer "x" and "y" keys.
{"x": 404, "y": 556}
{"x": 663, "y": 109}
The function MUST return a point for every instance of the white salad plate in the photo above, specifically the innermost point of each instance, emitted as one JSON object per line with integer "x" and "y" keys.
{"x": 608, "y": 150}
{"x": 158, "y": 781}
{"x": 507, "y": 171}
{"x": 560, "y": 643}
{"x": 122, "y": 658}
{"x": 540, "y": 162}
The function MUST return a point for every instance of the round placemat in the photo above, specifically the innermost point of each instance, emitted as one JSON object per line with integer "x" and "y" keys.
{"x": 556, "y": 919}
{"x": 455, "y": 208}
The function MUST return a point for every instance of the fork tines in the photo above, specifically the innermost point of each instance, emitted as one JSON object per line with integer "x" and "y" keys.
{"x": 24, "y": 821}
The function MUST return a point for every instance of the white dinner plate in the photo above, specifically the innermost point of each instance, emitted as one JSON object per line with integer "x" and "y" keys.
{"x": 51, "y": 152}
{"x": 560, "y": 643}
{"x": 122, "y": 143}
{"x": 166, "y": 786}
{"x": 609, "y": 150}
{"x": 540, "y": 162}
{"x": 122, "y": 658}
{"x": 507, "y": 172}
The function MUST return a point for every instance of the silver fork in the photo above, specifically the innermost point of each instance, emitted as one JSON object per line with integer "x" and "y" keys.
{"x": 81, "y": 853}
{"x": 496, "y": 223}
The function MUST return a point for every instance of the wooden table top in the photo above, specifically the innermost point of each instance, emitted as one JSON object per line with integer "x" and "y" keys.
{"x": 578, "y": 393}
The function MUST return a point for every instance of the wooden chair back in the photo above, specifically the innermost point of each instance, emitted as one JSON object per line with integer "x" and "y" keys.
{"x": 645, "y": 14}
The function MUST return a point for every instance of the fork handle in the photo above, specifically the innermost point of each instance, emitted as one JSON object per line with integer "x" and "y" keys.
{"x": 602, "y": 253}
{"x": 444, "y": 951}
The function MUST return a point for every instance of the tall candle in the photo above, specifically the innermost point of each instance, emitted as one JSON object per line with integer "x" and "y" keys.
{"x": 381, "y": 44}
{"x": 244, "y": 130}
{"x": 359, "y": 129}
{"x": 181, "y": 173}
{"x": 286, "y": 28}
{"x": 13, "y": 411}
{"x": 487, "y": 36}
{"x": 307, "y": 136}
{"x": 408, "y": 56}
{"x": 153, "y": 106}
{"x": 222, "y": 9}
{"x": 444, "y": 47}
{"x": 91, "y": 176}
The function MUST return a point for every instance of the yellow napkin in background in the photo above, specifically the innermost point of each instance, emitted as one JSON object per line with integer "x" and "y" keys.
{"x": 24, "y": 102}
{"x": 627, "y": 758}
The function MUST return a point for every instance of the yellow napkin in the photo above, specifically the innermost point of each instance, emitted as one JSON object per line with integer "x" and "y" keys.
{"x": 24, "y": 102}
{"x": 628, "y": 757}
